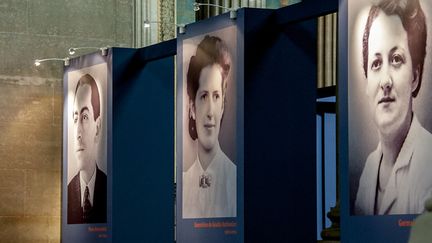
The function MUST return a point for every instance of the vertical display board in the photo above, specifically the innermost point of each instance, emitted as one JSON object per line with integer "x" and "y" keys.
{"x": 86, "y": 165}
{"x": 246, "y": 130}
{"x": 208, "y": 182}
{"x": 279, "y": 127}
{"x": 118, "y": 154}
{"x": 385, "y": 120}
{"x": 143, "y": 144}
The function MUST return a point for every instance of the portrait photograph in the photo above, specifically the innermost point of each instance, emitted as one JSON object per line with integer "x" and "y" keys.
{"x": 208, "y": 90}
{"x": 87, "y": 145}
{"x": 389, "y": 115}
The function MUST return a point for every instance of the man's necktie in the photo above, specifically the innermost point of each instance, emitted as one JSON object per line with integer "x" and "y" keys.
{"x": 87, "y": 204}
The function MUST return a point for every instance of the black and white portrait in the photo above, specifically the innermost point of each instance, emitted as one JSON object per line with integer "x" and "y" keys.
{"x": 390, "y": 122}
{"x": 86, "y": 144}
{"x": 209, "y": 176}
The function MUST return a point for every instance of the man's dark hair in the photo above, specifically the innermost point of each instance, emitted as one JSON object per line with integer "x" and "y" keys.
{"x": 89, "y": 80}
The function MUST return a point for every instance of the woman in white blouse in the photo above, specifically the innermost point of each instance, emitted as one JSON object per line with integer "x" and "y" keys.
{"x": 209, "y": 185}
{"x": 397, "y": 177}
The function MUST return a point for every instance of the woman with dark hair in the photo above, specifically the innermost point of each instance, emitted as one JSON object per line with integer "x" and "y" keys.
{"x": 397, "y": 177}
{"x": 209, "y": 185}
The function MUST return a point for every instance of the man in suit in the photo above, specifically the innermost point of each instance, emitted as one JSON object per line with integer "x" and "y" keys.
{"x": 87, "y": 191}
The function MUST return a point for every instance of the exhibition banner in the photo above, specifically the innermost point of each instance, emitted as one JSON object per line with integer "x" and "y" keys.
{"x": 208, "y": 164}
{"x": 86, "y": 176}
{"x": 385, "y": 104}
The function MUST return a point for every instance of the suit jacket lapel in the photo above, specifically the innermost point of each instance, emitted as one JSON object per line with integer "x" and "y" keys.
{"x": 76, "y": 208}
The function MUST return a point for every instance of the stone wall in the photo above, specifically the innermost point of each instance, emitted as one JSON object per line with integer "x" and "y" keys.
{"x": 31, "y": 103}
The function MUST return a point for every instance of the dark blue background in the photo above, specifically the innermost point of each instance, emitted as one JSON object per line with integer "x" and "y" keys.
{"x": 279, "y": 128}
{"x": 143, "y": 144}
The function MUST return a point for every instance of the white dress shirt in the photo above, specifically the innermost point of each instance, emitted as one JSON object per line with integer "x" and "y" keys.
{"x": 91, "y": 186}
{"x": 211, "y": 193}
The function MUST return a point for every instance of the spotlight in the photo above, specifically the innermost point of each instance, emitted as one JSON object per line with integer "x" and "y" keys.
{"x": 65, "y": 61}
{"x": 196, "y": 7}
{"x": 181, "y": 28}
{"x": 104, "y": 50}
{"x": 71, "y": 51}
{"x": 146, "y": 24}
{"x": 233, "y": 12}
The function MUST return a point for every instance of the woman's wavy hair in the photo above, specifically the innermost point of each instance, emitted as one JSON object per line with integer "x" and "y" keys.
{"x": 211, "y": 50}
{"x": 414, "y": 23}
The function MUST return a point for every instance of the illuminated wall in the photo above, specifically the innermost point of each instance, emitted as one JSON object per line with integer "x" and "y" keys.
{"x": 31, "y": 103}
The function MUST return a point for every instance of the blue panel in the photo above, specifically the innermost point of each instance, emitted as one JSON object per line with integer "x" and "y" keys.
{"x": 280, "y": 129}
{"x": 326, "y": 185}
{"x": 319, "y": 162}
{"x": 143, "y": 148}
{"x": 330, "y": 164}
{"x": 327, "y": 99}
{"x": 343, "y": 118}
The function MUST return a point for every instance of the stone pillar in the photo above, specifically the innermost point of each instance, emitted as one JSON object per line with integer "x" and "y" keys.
{"x": 167, "y": 24}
